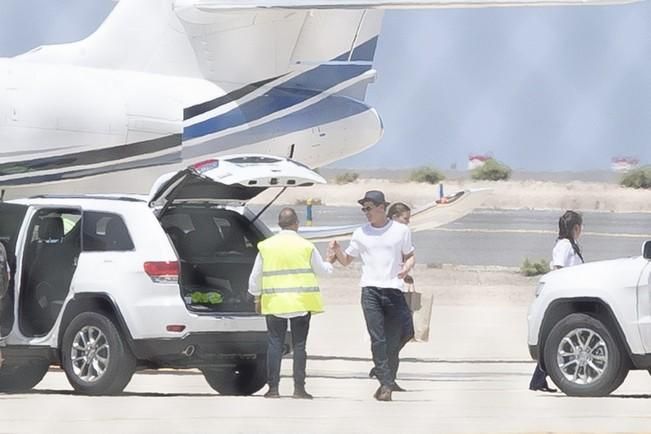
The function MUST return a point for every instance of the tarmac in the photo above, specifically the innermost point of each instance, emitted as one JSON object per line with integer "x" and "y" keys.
{"x": 471, "y": 376}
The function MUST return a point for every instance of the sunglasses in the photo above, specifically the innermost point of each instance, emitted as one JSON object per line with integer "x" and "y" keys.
{"x": 367, "y": 208}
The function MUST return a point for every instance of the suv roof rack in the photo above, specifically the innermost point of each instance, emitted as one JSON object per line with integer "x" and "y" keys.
{"x": 89, "y": 196}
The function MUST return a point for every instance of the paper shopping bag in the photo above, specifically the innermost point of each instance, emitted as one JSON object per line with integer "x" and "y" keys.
{"x": 420, "y": 304}
{"x": 412, "y": 297}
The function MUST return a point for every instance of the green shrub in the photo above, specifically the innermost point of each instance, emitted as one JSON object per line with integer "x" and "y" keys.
{"x": 429, "y": 175}
{"x": 637, "y": 178}
{"x": 535, "y": 268}
{"x": 346, "y": 178}
{"x": 492, "y": 170}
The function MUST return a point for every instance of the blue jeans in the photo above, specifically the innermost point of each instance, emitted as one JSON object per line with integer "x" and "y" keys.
{"x": 390, "y": 327}
{"x": 276, "y": 331}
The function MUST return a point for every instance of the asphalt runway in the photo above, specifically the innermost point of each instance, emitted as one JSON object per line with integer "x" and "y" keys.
{"x": 505, "y": 237}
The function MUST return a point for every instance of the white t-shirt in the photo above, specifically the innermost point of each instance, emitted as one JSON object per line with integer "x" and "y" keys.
{"x": 564, "y": 255}
{"x": 381, "y": 251}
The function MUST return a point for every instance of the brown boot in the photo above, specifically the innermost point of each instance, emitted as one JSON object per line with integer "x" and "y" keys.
{"x": 383, "y": 393}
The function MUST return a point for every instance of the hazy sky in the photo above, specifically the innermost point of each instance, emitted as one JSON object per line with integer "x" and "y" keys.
{"x": 557, "y": 88}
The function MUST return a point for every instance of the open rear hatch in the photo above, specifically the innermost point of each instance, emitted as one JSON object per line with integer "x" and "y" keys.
{"x": 216, "y": 244}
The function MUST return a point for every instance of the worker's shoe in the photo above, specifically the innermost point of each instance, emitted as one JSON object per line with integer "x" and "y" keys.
{"x": 396, "y": 388}
{"x": 272, "y": 392}
{"x": 300, "y": 393}
{"x": 383, "y": 393}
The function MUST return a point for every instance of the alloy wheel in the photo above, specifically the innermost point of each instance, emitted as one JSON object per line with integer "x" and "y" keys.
{"x": 90, "y": 354}
{"x": 582, "y": 356}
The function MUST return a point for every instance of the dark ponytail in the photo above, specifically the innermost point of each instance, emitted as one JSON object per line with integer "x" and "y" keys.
{"x": 565, "y": 226}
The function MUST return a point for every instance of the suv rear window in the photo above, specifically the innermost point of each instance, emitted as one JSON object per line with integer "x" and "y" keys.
{"x": 105, "y": 232}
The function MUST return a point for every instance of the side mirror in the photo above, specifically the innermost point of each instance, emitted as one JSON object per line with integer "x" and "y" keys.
{"x": 646, "y": 250}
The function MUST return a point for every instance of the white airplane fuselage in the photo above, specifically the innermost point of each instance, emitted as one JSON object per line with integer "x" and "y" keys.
{"x": 111, "y": 130}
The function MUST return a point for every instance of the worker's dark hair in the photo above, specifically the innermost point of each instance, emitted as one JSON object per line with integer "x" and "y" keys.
{"x": 287, "y": 218}
{"x": 396, "y": 209}
{"x": 566, "y": 225}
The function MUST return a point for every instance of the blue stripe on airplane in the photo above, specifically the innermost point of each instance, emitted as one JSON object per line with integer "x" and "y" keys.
{"x": 290, "y": 93}
{"x": 365, "y": 51}
{"x": 83, "y": 173}
{"x": 330, "y": 109}
{"x": 84, "y": 158}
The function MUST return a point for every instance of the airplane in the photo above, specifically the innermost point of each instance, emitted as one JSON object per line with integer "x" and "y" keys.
{"x": 162, "y": 84}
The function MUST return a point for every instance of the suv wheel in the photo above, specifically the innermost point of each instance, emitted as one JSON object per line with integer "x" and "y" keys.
{"x": 245, "y": 378}
{"x": 23, "y": 377}
{"x": 95, "y": 357}
{"x": 582, "y": 357}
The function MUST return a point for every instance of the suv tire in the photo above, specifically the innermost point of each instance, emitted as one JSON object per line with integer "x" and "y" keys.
{"x": 21, "y": 378}
{"x": 94, "y": 356}
{"x": 582, "y": 357}
{"x": 245, "y": 378}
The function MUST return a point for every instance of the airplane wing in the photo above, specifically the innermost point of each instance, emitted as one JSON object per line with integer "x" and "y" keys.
{"x": 220, "y": 5}
{"x": 447, "y": 210}
{"x": 431, "y": 216}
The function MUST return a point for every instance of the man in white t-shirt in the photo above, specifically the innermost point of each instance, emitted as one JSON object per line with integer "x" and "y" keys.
{"x": 383, "y": 245}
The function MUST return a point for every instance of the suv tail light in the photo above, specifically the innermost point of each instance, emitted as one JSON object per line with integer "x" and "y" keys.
{"x": 162, "y": 272}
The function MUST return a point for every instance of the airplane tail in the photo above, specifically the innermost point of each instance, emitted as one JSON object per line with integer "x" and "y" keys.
{"x": 233, "y": 47}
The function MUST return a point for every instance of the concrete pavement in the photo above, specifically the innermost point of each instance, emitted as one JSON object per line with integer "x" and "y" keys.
{"x": 471, "y": 377}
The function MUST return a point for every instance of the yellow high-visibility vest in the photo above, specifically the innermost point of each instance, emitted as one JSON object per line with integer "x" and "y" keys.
{"x": 288, "y": 283}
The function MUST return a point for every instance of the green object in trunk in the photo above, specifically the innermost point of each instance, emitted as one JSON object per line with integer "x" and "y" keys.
{"x": 206, "y": 297}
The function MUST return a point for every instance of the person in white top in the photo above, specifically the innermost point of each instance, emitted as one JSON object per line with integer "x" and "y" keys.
{"x": 385, "y": 248}
{"x": 566, "y": 253}
{"x": 400, "y": 212}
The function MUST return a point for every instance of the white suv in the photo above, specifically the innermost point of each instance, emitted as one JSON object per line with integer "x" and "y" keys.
{"x": 105, "y": 285}
{"x": 590, "y": 324}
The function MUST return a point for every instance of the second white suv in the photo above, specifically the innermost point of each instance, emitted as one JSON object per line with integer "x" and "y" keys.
{"x": 105, "y": 285}
{"x": 590, "y": 324}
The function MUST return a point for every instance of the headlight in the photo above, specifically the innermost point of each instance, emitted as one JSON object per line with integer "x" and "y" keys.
{"x": 539, "y": 288}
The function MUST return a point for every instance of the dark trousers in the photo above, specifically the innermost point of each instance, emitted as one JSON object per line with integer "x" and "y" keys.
{"x": 276, "y": 331}
{"x": 538, "y": 379}
{"x": 390, "y": 327}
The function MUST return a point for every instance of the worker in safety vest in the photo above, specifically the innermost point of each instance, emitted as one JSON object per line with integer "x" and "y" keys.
{"x": 285, "y": 285}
